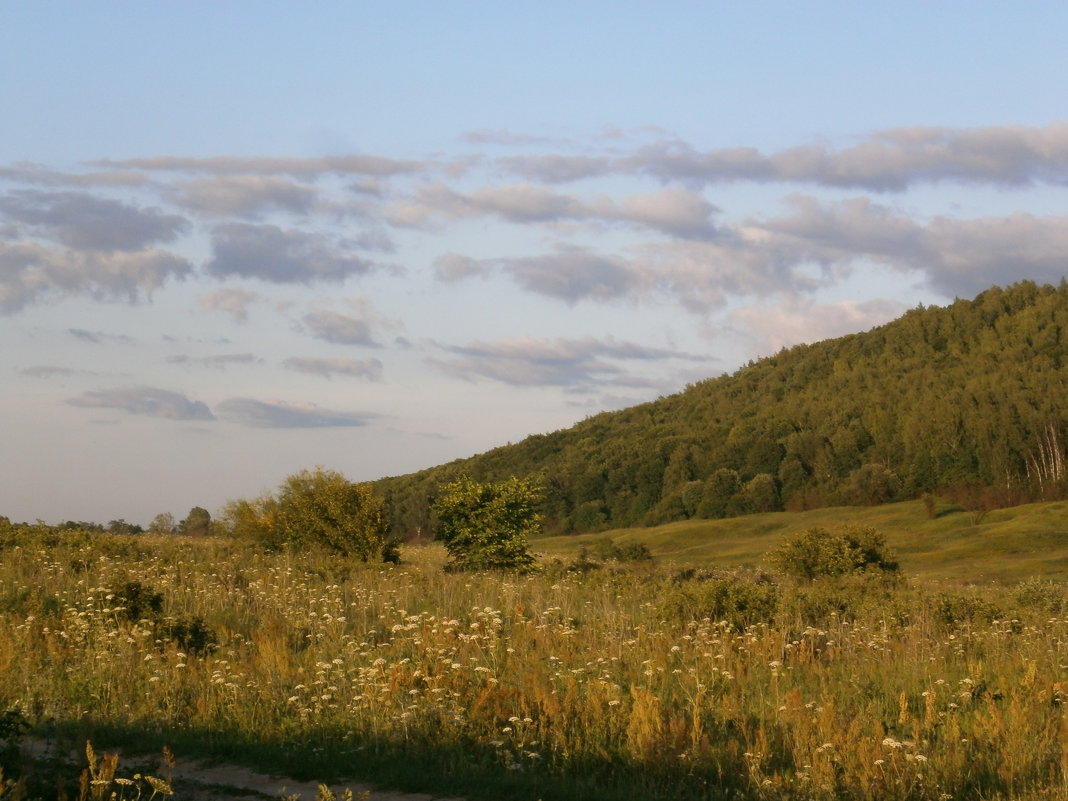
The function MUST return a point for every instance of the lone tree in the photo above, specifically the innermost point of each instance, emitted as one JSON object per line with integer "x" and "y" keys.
{"x": 319, "y": 507}
{"x": 487, "y": 526}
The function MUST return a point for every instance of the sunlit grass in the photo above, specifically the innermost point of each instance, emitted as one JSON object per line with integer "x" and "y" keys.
{"x": 1005, "y": 545}
{"x": 611, "y": 682}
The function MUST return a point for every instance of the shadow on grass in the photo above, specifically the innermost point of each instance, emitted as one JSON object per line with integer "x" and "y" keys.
{"x": 475, "y": 771}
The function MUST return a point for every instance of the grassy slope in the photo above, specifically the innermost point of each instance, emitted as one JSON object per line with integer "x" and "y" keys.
{"x": 1006, "y": 545}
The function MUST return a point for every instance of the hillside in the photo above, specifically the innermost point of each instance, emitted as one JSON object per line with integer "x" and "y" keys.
{"x": 962, "y": 397}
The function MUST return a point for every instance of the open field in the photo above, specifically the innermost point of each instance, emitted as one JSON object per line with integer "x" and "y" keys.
{"x": 603, "y": 681}
{"x": 1005, "y": 545}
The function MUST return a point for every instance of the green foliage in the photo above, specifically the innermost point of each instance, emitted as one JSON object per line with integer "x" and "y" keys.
{"x": 740, "y": 601}
{"x": 938, "y": 398}
{"x": 197, "y": 523}
{"x": 317, "y": 508}
{"x": 487, "y": 526}
{"x": 953, "y": 609}
{"x": 138, "y": 601}
{"x": 1044, "y": 595}
{"x": 817, "y": 553}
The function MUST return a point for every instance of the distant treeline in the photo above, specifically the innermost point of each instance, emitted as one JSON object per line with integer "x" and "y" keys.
{"x": 968, "y": 399}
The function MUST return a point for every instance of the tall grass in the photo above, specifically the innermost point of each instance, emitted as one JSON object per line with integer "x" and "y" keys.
{"x": 604, "y": 683}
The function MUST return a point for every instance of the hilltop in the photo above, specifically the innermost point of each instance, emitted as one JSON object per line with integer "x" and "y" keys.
{"x": 966, "y": 399}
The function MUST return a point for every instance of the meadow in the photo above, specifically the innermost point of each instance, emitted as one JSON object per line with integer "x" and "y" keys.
{"x": 593, "y": 678}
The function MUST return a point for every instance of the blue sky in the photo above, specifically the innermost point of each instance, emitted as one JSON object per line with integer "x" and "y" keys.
{"x": 241, "y": 239}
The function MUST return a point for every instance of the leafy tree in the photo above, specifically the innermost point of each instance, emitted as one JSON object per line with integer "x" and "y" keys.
{"x": 319, "y": 507}
{"x": 120, "y": 526}
{"x": 486, "y": 526}
{"x": 197, "y": 523}
{"x": 817, "y": 553}
{"x": 871, "y": 484}
{"x": 163, "y": 523}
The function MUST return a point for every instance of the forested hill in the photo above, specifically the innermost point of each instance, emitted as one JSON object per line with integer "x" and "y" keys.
{"x": 972, "y": 394}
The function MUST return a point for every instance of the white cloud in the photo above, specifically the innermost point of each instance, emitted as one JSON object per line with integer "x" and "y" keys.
{"x": 801, "y": 320}
{"x": 30, "y": 273}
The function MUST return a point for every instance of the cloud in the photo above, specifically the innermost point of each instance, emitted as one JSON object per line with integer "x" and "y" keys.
{"x": 40, "y": 175}
{"x": 281, "y": 256}
{"x": 246, "y": 196}
{"x": 30, "y": 272}
{"x": 449, "y": 267}
{"x": 558, "y": 169}
{"x": 268, "y": 165}
{"x": 572, "y": 363}
{"x": 278, "y": 414}
{"x": 800, "y": 320}
{"x": 371, "y": 369}
{"x": 572, "y": 274}
{"x": 675, "y": 211}
{"x": 86, "y": 222}
{"x": 220, "y": 362}
{"x": 234, "y": 302}
{"x": 813, "y": 245}
{"x": 147, "y": 401}
{"x": 341, "y": 329}
{"x": 889, "y": 160}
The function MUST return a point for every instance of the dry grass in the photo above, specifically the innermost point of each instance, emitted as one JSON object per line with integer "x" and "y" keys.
{"x": 602, "y": 684}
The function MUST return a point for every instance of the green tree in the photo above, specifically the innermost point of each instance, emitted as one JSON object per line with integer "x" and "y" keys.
{"x": 197, "y": 523}
{"x": 319, "y": 507}
{"x": 871, "y": 484}
{"x": 163, "y": 523}
{"x": 487, "y": 526}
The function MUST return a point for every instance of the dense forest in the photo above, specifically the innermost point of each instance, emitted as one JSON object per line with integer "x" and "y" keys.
{"x": 968, "y": 399}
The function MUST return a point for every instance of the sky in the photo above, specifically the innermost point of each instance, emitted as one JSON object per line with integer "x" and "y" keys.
{"x": 242, "y": 239}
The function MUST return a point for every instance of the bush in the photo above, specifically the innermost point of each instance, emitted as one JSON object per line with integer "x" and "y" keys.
{"x": 741, "y": 602}
{"x": 952, "y": 610}
{"x": 817, "y": 553}
{"x": 321, "y": 508}
{"x": 487, "y": 526}
{"x": 1044, "y": 595}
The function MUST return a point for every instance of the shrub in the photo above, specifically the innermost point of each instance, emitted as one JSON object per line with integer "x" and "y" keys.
{"x": 487, "y": 526}
{"x": 321, "y": 508}
{"x": 817, "y": 553}
{"x": 953, "y": 610}
{"x": 741, "y": 602}
{"x": 608, "y": 551}
{"x": 1042, "y": 594}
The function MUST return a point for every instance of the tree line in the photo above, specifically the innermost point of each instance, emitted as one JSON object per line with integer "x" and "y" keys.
{"x": 966, "y": 399}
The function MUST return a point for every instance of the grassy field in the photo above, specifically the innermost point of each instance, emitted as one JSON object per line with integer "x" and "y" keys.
{"x": 687, "y": 677}
{"x": 1005, "y": 545}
